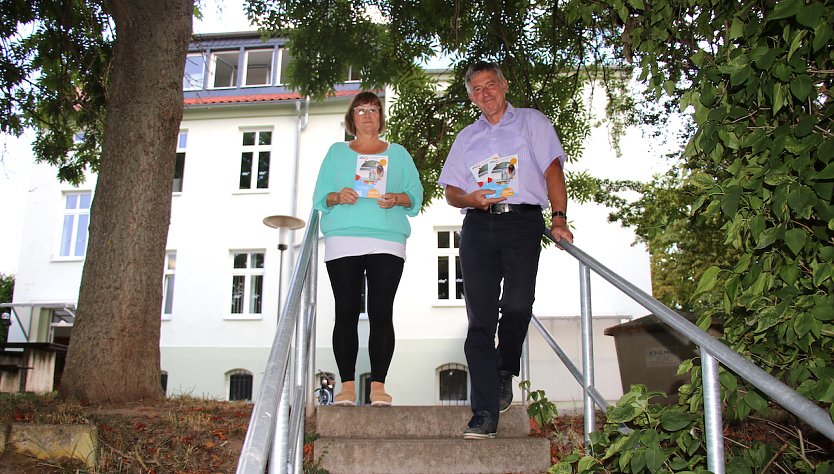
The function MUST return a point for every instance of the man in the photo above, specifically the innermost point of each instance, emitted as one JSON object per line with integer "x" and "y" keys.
{"x": 501, "y": 234}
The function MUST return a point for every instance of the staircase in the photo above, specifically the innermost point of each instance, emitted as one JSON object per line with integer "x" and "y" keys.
{"x": 424, "y": 439}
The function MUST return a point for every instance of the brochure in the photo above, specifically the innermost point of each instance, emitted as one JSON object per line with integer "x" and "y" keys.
{"x": 371, "y": 176}
{"x": 499, "y": 174}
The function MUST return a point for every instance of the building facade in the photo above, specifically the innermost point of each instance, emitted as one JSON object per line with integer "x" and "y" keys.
{"x": 251, "y": 148}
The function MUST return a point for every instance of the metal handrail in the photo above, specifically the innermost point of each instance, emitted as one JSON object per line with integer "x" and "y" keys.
{"x": 277, "y": 414}
{"x": 712, "y": 350}
{"x": 276, "y": 424}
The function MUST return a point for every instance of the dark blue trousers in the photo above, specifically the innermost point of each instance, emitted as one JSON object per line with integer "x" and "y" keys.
{"x": 497, "y": 248}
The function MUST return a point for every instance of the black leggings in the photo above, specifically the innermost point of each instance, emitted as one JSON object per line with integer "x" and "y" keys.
{"x": 346, "y": 278}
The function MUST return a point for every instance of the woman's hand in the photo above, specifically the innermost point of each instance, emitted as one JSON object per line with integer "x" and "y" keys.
{"x": 389, "y": 200}
{"x": 345, "y": 196}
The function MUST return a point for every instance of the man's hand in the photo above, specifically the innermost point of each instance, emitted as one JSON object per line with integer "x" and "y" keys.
{"x": 560, "y": 231}
{"x": 480, "y": 200}
{"x": 476, "y": 199}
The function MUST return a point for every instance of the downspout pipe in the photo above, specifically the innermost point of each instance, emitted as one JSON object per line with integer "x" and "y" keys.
{"x": 302, "y": 115}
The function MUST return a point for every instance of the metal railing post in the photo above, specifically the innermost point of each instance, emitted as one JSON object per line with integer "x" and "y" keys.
{"x": 577, "y": 375}
{"x": 712, "y": 413}
{"x": 268, "y": 423}
{"x": 296, "y": 432}
{"x": 280, "y": 442}
{"x": 587, "y": 351}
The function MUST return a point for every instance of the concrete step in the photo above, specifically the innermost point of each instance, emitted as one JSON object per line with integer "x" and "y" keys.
{"x": 435, "y": 456}
{"x": 417, "y": 439}
{"x": 411, "y": 421}
{"x": 79, "y": 441}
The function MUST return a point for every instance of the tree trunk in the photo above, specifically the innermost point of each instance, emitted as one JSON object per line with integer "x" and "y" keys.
{"x": 114, "y": 351}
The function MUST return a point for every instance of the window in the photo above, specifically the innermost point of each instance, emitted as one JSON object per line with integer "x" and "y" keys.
{"x": 254, "y": 159}
{"x": 453, "y": 384}
{"x": 449, "y": 276}
{"x": 365, "y": 388}
{"x": 353, "y": 74}
{"x": 168, "y": 284}
{"x": 179, "y": 167}
{"x": 247, "y": 282}
{"x": 363, "y": 305}
{"x": 258, "y": 68}
{"x": 163, "y": 379}
{"x": 240, "y": 385}
{"x": 224, "y": 66}
{"x": 286, "y": 59}
{"x": 76, "y": 222}
{"x": 195, "y": 66}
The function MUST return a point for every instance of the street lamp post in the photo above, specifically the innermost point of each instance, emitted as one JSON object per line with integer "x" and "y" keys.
{"x": 284, "y": 224}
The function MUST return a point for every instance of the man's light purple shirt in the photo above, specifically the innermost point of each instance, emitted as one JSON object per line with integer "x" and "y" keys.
{"x": 527, "y": 133}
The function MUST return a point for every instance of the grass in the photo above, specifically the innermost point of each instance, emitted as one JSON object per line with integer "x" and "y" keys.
{"x": 190, "y": 435}
{"x": 177, "y": 435}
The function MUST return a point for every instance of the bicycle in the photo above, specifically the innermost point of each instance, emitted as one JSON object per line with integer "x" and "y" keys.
{"x": 324, "y": 394}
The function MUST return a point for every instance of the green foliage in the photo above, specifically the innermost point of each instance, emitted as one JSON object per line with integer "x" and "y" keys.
{"x": 6, "y": 288}
{"x": 745, "y": 225}
{"x": 550, "y": 61}
{"x": 763, "y": 105}
{"x": 682, "y": 246}
{"x": 539, "y": 408}
{"x": 644, "y": 437}
{"x": 53, "y": 73}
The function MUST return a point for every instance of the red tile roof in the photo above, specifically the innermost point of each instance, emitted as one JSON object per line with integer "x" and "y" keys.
{"x": 237, "y": 99}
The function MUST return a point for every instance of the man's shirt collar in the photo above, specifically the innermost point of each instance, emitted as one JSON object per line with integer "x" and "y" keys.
{"x": 508, "y": 117}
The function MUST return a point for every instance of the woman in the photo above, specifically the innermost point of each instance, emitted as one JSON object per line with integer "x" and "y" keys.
{"x": 365, "y": 236}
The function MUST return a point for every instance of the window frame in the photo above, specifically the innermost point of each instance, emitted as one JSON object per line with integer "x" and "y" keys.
{"x": 248, "y": 377}
{"x": 270, "y": 75}
{"x": 452, "y": 254}
{"x": 163, "y": 381}
{"x": 76, "y": 213}
{"x": 283, "y": 61}
{"x": 212, "y": 83}
{"x": 254, "y": 166}
{"x": 247, "y": 273}
{"x": 349, "y": 76}
{"x": 168, "y": 284}
{"x": 202, "y": 77}
{"x": 456, "y": 367}
{"x": 179, "y": 163}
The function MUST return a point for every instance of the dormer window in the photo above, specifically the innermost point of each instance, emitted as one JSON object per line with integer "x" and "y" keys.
{"x": 258, "y": 67}
{"x": 224, "y": 67}
{"x": 353, "y": 74}
{"x": 195, "y": 67}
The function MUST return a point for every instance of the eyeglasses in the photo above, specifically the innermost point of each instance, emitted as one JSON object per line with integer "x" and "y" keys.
{"x": 365, "y": 110}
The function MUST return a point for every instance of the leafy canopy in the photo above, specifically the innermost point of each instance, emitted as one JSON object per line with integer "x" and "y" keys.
{"x": 543, "y": 53}
{"x": 53, "y": 72}
{"x": 757, "y": 171}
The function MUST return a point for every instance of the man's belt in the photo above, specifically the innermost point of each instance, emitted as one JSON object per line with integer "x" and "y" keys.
{"x": 501, "y": 208}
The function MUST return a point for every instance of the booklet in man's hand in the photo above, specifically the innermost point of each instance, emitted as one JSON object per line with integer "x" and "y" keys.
{"x": 371, "y": 176}
{"x": 499, "y": 174}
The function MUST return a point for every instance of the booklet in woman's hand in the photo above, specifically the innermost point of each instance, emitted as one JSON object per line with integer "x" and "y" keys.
{"x": 371, "y": 176}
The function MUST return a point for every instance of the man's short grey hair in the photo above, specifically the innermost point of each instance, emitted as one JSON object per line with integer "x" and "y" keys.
{"x": 482, "y": 66}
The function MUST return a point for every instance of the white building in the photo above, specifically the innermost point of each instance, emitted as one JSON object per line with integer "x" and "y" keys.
{"x": 249, "y": 148}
